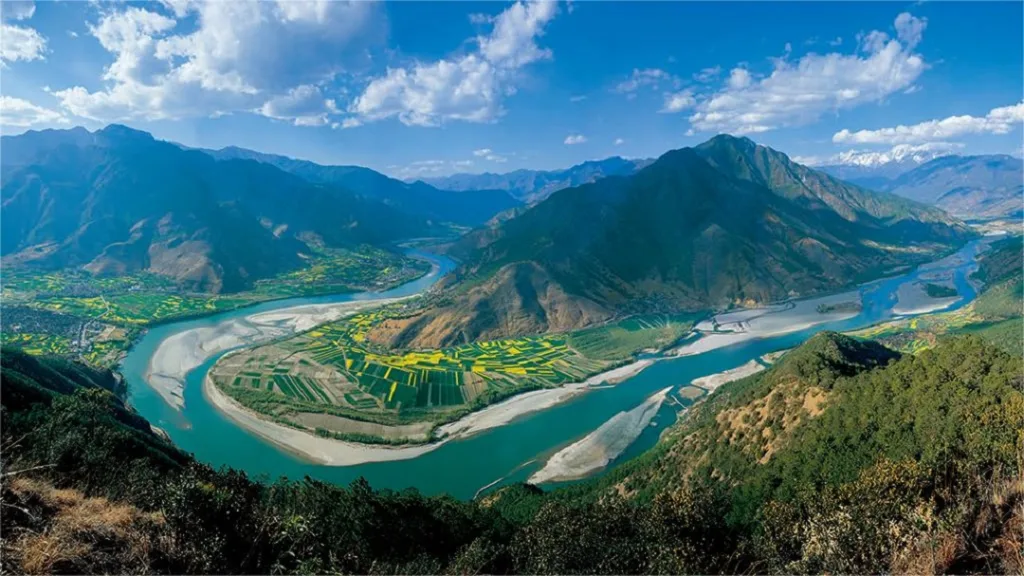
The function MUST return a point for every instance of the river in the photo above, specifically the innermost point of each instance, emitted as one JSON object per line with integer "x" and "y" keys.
{"x": 510, "y": 453}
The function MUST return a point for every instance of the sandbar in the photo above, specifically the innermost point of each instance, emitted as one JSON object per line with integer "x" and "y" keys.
{"x": 179, "y": 354}
{"x": 599, "y": 448}
{"x": 714, "y": 381}
{"x": 742, "y": 325}
{"x": 507, "y": 410}
{"x": 333, "y": 452}
{"x": 326, "y": 451}
{"x": 912, "y": 298}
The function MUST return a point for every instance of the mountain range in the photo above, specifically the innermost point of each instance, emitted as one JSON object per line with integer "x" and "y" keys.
{"x": 726, "y": 222}
{"x": 532, "y": 186}
{"x": 969, "y": 187}
{"x": 117, "y": 201}
{"x": 470, "y": 207}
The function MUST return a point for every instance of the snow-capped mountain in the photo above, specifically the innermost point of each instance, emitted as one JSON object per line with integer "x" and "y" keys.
{"x": 872, "y": 169}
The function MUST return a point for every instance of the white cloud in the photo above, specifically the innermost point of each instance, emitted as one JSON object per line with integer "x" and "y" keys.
{"x": 423, "y": 168}
{"x": 20, "y": 43}
{"x": 468, "y": 87}
{"x": 678, "y": 101}
{"x": 19, "y": 113}
{"x": 909, "y": 28}
{"x": 17, "y": 9}
{"x": 488, "y": 154}
{"x": 837, "y": 42}
{"x": 577, "y": 98}
{"x": 739, "y": 78}
{"x": 708, "y": 74}
{"x": 997, "y": 121}
{"x": 349, "y": 123}
{"x": 241, "y": 55}
{"x": 619, "y": 141}
{"x": 653, "y": 77}
{"x": 304, "y": 105}
{"x": 575, "y": 139}
{"x": 800, "y": 92}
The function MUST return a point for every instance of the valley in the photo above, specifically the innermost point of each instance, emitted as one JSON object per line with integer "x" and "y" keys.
{"x": 295, "y": 287}
{"x": 374, "y": 440}
{"x": 103, "y": 315}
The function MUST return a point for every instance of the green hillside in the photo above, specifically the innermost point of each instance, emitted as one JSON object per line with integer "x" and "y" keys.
{"x": 728, "y": 222}
{"x": 842, "y": 458}
{"x": 121, "y": 202}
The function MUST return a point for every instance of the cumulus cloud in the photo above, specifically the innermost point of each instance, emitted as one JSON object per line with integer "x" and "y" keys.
{"x": 482, "y": 152}
{"x": 303, "y": 105}
{"x": 739, "y": 78}
{"x": 800, "y": 92}
{"x": 469, "y": 87}
{"x": 240, "y": 55}
{"x": 18, "y": 113}
{"x": 997, "y": 121}
{"x": 678, "y": 101}
{"x": 575, "y": 139}
{"x": 619, "y": 141}
{"x": 20, "y": 43}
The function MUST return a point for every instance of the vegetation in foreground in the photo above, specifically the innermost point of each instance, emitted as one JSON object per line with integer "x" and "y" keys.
{"x": 843, "y": 457}
{"x": 335, "y": 379}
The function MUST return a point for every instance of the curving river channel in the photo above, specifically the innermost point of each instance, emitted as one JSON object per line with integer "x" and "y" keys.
{"x": 509, "y": 453}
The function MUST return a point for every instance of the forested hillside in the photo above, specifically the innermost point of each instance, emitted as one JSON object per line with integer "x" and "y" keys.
{"x": 843, "y": 458}
{"x": 727, "y": 222}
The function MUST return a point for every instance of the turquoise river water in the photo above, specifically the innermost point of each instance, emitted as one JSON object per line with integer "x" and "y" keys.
{"x": 509, "y": 453}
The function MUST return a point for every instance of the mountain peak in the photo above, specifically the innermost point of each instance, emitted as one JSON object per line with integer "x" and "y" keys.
{"x": 729, "y": 140}
{"x": 120, "y": 131}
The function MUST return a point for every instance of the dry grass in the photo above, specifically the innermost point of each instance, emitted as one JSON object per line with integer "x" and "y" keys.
{"x": 66, "y": 532}
{"x": 751, "y": 425}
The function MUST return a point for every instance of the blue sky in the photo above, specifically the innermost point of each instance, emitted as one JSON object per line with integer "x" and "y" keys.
{"x": 424, "y": 89}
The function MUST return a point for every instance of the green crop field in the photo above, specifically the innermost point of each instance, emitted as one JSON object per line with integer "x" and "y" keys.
{"x": 37, "y": 344}
{"x": 141, "y": 299}
{"x": 622, "y": 339}
{"x": 334, "y": 369}
{"x": 141, "y": 308}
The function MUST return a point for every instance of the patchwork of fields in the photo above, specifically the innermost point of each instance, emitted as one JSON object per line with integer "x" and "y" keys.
{"x": 354, "y": 374}
{"x": 140, "y": 308}
{"x": 37, "y": 344}
{"x": 334, "y": 370}
{"x": 622, "y": 339}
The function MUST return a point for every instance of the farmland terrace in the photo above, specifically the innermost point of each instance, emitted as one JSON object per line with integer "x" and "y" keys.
{"x": 336, "y": 382}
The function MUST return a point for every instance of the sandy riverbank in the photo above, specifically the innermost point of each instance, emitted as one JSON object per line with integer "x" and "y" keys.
{"x": 183, "y": 352}
{"x": 912, "y": 298}
{"x": 599, "y": 448}
{"x": 332, "y": 452}
{"x": 507, "y": 410}
{"x": 714, "y": 381}
{"x": 327, "y": 451}
{"x": 742, "y": 325}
